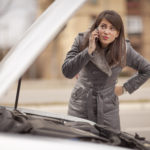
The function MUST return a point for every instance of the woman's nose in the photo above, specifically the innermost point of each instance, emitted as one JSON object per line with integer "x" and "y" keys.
{"x": 107, "y": 31}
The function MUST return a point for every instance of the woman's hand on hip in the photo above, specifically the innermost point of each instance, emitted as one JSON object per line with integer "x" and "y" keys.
{"x": 119, "y": 90}
{"x": 92, "y": 41}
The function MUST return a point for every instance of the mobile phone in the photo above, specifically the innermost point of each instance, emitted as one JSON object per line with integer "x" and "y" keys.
{"x": 96, "y": 39}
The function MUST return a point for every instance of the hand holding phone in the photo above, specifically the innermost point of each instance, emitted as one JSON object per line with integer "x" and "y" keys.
{"x": 94, "y": 37}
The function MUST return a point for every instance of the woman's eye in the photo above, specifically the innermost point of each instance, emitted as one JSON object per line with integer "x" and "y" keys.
{"x": 113, "y": 28}
{"x": 103, "y": 26}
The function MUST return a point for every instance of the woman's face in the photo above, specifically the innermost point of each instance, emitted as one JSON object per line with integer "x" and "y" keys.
{"x": 107, "y": 33}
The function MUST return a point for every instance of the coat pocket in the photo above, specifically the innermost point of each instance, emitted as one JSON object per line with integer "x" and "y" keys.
{"x": 115, "y": 100}
{"x": 110, "y": 103}
{"x": 78, "y": 103}
{"x": 79, "y": 93}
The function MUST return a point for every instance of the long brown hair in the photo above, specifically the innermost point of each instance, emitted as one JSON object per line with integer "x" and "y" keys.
{"x": 117, "y": 49}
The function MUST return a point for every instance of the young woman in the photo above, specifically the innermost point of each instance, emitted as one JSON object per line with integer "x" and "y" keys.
{"x": 98, "y": 56}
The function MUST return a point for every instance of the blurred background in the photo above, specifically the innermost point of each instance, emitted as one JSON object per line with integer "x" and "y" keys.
{"x": 43, "y": 85}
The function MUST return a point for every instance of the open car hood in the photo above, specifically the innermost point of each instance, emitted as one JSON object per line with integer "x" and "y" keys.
{"x": 35, "y": 39}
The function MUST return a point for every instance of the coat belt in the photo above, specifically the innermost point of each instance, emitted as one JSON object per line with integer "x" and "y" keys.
{"x": 96, "y": 113}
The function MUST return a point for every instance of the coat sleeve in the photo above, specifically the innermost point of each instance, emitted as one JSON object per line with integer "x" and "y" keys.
{"x": 139, "y": 63}
{"x": 75, "y": 60}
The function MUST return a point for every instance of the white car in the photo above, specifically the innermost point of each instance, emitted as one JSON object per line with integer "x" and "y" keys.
{"x": 59, "y": 130}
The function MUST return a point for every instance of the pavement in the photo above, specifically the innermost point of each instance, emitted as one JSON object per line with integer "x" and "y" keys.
{"x": 58, "y": 92}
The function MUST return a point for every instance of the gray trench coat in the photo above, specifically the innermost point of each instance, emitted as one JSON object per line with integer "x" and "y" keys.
{"x": 93, "y": 96}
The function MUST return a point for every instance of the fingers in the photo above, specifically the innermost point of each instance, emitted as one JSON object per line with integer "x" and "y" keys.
{"x": 118, "y": 90}
{"x": 92, "y": 40}
{"x": 94, "y": 35}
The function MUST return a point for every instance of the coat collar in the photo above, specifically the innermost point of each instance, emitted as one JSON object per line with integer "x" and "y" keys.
{"x": 98, "y": 57}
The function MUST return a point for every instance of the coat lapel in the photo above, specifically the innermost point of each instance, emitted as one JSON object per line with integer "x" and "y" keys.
{"x": 100, "y": 61}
